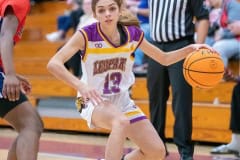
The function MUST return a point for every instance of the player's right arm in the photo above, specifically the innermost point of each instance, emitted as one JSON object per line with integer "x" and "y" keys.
{"x": 56, "y": 67}
{"x": 56, "y": 64}
{"x": 11, "y": 85}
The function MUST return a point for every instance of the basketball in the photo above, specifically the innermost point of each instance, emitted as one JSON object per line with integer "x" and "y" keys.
{"x": 203, "y": 69}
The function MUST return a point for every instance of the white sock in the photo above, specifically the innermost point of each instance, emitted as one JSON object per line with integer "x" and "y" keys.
{"x": 235, "y": 142}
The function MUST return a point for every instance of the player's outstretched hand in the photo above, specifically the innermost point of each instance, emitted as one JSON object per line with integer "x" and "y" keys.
{"x": 199, "y": 46}
{"x": 89, "y": 93}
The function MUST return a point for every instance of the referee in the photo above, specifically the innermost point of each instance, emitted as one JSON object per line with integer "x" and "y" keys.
{"x": 172, "y": 27}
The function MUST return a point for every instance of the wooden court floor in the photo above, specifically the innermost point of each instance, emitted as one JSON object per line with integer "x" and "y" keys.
{"x": 78, "y": 146}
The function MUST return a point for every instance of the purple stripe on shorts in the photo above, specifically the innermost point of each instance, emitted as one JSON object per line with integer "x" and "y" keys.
{"x": 137, "y": 119}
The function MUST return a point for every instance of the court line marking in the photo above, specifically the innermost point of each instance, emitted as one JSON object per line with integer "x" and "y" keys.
{"x": 63, "y": 156}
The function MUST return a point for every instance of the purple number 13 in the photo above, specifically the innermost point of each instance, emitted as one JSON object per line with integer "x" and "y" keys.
{"x": 111, "y": 84}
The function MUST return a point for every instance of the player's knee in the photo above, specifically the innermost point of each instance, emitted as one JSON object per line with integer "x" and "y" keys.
{"x": 35, "y": 125}
{"x": 40, "y": 126}
{"x": 121, "y": 122}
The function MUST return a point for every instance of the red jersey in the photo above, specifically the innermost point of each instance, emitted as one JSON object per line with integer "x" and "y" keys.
{"x": 21, "y": 9}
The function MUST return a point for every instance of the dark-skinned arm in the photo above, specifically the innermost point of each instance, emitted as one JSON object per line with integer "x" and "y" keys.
{"x": 11, "y": 84}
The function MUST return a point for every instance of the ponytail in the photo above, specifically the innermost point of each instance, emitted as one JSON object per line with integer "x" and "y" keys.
{"x": 128, "y": 19}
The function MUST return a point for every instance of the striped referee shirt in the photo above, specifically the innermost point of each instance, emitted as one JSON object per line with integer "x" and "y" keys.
{"x": 172, "y": 20}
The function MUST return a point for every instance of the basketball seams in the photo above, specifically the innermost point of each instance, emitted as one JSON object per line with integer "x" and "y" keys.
{"x": 198, "y": 84}
{"x": 195, "y": 61}
{"x": 186, "y": 62}
{"x": 187, "y": 59}
{"x": 203, "y": 77}
{"x": 205, "y": 72}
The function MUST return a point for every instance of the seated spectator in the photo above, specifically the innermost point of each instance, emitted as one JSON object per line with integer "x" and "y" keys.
{"x": 87, "y": 18}
{"x": 234, "y": 146}
{"x": 74, "y": 63}
{"x": 129, "y": 3}
{"x": 228, "y": 39}
{"x": 228, "y": 47}
{"x": 141, "y": 10}
{"x": 214, "y": 18}
{"x": 67, "y": 21}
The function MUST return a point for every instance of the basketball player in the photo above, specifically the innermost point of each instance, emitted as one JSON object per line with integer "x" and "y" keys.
{"x": 14, "y": 107}
{"x": 107, "y": 61}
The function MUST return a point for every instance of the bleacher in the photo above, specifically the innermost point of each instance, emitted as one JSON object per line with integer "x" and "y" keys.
{"x": 211, "y": 107}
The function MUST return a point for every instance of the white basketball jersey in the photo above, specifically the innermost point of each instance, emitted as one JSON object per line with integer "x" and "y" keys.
{"x": 106, "y": 67}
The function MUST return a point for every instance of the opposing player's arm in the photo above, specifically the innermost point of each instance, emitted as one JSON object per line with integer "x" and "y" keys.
{"x": 11, "y": 85}
{"x": 8, "y": 30}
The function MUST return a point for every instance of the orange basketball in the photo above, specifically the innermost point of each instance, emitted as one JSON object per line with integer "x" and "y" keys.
{"x": 203, "y": 68}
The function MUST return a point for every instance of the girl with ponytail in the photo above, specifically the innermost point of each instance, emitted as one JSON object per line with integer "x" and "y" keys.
{"x": 103, "y": 91}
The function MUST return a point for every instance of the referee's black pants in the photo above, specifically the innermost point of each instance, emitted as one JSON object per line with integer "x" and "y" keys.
{"x": 235, "y": 109}
{"x": 159, "y": 78}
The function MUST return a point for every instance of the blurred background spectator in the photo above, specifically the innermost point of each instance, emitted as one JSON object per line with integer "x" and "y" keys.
{"x": 68, "y": 20}
{"x": 87, "y": 18}
{"x": 228, "y": 37}
{"x": 141, "y": 10}
{"x": 214, "y": 20}
{"x": 74, "y": 63}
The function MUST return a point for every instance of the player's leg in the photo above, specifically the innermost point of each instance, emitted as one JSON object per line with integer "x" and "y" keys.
{"x": 110, "y": 117}
{"x": 27, "y": 122}
{"x": 143, "y": 134}
{"x": 12, "y": 151}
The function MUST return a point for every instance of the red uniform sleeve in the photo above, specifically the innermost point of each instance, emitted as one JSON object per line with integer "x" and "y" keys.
{"x": 21, "y": 9}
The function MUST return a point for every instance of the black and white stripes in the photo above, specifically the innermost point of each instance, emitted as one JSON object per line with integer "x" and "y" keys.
{"x": 173, "y": 19}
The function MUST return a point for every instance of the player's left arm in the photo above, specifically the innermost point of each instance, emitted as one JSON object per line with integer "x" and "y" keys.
{"x": 168, "y": 58}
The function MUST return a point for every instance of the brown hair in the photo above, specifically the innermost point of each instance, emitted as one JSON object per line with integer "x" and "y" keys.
{"x": 126, "y": 18}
